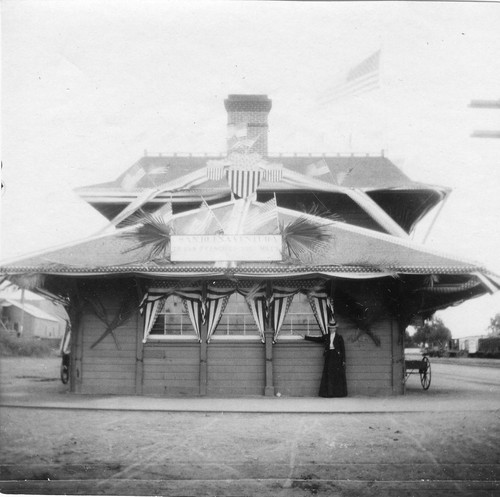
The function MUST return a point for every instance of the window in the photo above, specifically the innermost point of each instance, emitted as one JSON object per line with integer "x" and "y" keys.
{"x": 300, "y": 319}
{"x": 173, "y": 320}
{"x": 237, "y": 320}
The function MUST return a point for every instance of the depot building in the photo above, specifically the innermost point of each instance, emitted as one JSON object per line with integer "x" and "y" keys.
{"x": 213, "y": 269}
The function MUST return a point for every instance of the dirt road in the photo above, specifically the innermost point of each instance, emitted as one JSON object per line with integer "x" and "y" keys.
{"x": 238, "y": 454}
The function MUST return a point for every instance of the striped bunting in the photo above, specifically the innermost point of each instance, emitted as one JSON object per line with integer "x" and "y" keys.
{"x": 280, "y": 308}
{"x": 193, "y": 310}
{"x": 322, "y": 307}
{"x": 153, "y": 305}
{"x": 215, "y": 169}
{"x": 256, "y": 299}
{"x": 218, "y": 294}
{"x": 154, "y": 300}
{"x": 215, "y": 309}
{"x": 273, "y": 172}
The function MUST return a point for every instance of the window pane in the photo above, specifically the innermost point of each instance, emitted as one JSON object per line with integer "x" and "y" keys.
{"x": 300, "y": 319}
{"x": 237, "y": 319}
{"x": 173, "y": 319}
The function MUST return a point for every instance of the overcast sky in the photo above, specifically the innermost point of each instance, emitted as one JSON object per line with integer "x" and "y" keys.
{"x": 87, "y": 86}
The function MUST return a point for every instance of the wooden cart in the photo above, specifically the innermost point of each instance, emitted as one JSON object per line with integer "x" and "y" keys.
{"x": 420, "y": 366}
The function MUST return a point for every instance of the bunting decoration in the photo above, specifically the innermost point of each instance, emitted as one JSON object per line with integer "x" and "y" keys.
{"x": 193, "y": 303}
{"x": 268, "y": 303}
{"x": 218, "y": 294}
{"x": 282, "y": 297}
{"x": 256, "y": 299}
{"x": 322, "y": 307}
{"x": 273, "y": 172}
{"x": 279, "y": 311}
{"x": 215, "y": 169}
{"x": 193, "y": 309}
{"x": 152, "y": 306}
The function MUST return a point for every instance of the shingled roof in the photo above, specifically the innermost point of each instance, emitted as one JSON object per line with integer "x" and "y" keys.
{"x": 350, "y": 249}
{"x": 366, "y": 173}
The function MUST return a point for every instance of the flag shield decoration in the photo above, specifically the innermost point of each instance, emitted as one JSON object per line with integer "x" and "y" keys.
{"x": 243, "y": 182}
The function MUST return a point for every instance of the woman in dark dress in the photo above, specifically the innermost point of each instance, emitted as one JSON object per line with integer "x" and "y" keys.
{"x": 333, "y": 380}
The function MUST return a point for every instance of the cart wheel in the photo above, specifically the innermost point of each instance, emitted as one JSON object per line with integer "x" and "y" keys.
{"x": 64, "y": 374}
{"x": 425, "y": 373}
{"x": 65, "y": 369}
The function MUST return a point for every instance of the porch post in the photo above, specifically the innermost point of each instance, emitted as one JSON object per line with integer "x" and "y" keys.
{"x": 139, "y": 354}
{"x": 397, "y": 352}
{"x": 269, "y": 388}
{"x": 77, "y": 353}
{"x": 203, "y": 359}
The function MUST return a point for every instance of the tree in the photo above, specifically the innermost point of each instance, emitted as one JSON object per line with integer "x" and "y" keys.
{"x": 494, "y": 326}
{"x": 433, "y": 332}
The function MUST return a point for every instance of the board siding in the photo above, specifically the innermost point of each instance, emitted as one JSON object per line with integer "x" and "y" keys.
{"x": 298, "y": 366}
{"x": 236, "y": 369}
{"x": 171, "y": 369}
{"x": 106, "y": 368}
{"x": 233, "y": 368}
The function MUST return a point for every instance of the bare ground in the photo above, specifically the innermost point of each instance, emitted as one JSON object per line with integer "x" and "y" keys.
{"x": 196, "y": 454}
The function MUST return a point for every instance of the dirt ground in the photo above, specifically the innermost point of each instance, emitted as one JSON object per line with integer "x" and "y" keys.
{"x": 196, "y": 454}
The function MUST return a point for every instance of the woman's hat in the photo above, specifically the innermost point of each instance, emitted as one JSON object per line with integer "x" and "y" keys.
{"x": 332, "y": 323}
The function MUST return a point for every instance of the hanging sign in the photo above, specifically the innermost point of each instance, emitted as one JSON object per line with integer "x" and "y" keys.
{"x": 197, "y": 248}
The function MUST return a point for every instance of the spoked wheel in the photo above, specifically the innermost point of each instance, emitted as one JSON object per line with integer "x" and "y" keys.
{"x": 425, "y": 373}
{"x": 65, "y": 369}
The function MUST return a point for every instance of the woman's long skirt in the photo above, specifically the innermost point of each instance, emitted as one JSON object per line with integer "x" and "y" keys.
{"x": 333, "y": 381}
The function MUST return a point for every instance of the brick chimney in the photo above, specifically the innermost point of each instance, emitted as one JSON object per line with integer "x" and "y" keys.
{"x": 247, "y": 115}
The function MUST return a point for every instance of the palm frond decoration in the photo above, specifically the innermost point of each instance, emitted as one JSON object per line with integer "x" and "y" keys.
{"x": 151, "y": 232}
{"x": 304, "y": 238}
{"x": 321, "y": 211}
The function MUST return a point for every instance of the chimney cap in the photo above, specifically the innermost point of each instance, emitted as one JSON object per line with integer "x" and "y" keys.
{"x": 239, "y": 102}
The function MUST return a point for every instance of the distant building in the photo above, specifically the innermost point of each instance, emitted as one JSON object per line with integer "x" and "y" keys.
{"x": 31, "y": 315}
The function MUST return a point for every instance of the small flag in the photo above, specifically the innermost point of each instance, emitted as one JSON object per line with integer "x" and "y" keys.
{"x": 318, "y": 168}
{"x": 341, "y": 177}
{"x": 259, "y": 216}
{"x": 239, "y": 130}
{"x": 244, "y": 143}
{"x": 360, "y": 79}
{"x": 133, "y": 177}
{"x": 199, "y": 224}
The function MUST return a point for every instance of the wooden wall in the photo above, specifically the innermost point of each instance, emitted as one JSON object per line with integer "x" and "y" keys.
{"x": 105, "y": 368}
{"x": 370, "y": 369}
{"x": 235, "y": 368}
{"x": 174, "y": 368}
{"x": 171, "y": 369}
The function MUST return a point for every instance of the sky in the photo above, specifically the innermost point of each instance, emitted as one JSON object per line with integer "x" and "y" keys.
{"x": 89, "y": 86}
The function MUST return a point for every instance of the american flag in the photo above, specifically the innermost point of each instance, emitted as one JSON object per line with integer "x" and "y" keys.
{"x": 260, "y": 215}
{"x": 362, "y": 78}
{"x": 318, "y": 168}
{"x": 239, "y": 130}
